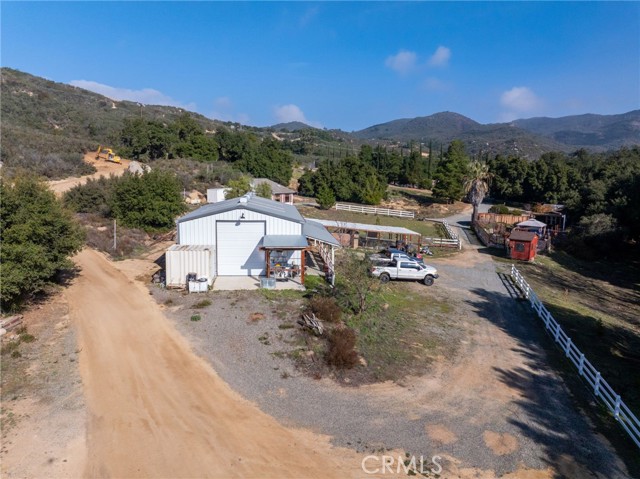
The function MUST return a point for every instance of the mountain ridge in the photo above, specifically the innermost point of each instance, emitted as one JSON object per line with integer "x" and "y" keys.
{"x": 57, "y": 117}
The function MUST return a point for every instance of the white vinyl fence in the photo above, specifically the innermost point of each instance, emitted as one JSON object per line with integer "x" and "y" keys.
{"x": 451, "y": 241}
{"x": 601, "y": 388}
{"x": 374, "y": 210}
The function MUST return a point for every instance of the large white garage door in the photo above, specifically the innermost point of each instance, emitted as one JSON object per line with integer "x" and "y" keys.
{"x": 238, "y": 253}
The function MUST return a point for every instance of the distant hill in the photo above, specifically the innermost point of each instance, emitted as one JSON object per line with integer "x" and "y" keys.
{"x": 529, "y": 138}
{"x": 439, "y": 125}
{"x": 290, "y": 126}
{"x": 55, "y": 111}
{"x": 442, "y": 128}
{"x": 589, "y": 131}
{"x": 41, "y": 118}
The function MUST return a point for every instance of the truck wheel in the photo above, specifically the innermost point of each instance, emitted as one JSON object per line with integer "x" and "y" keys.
{"x": 384, "y": 278}
{"x": 428, "y": 280}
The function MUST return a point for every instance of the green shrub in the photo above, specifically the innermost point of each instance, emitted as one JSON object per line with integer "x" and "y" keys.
{"x": 202, "y": 304}
{"x": 93, "y": 196}
{"x": 9, "y": 347}
{"x": 27, "y": 338}
{"x": 500, "y": 209}
{"x": 196, "y": 317}
{"x": 341, "y": 353}
{"x": 150, "y": 201}
{"x": 38, "y": 237}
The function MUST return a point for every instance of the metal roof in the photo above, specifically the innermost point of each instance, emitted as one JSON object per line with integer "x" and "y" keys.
{"x": 532, "y": 224}
{"x": 285, "y": 241}
{"x": 519, "y": 235}
{"x": 365, "y": 227}
{"x": 313, "y": 229}
{"x": 276, "y": 188}
{"x": 249, "y": 202}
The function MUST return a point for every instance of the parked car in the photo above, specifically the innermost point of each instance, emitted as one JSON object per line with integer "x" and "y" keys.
{"x": 405, "y": 270}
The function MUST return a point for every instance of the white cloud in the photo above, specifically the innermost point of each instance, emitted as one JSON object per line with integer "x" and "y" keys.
{"x": 291, "y": 112}
{"x": 440, "y": 57}
{"x": 520, "y": 100}
{"x": 223, "y": 111}
{"x": 402, "y": 62}
{"x": 146, "y": 96}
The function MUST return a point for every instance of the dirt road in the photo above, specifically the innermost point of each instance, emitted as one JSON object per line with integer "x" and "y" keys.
{"x": 158, "y": 410}
{"x": 105, "y": 168}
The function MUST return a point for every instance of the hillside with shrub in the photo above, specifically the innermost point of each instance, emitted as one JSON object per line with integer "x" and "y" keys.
{"x": 46, "y": 126}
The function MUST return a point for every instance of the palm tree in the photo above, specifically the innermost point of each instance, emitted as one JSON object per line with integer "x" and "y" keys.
{"x": 476, "y": 185}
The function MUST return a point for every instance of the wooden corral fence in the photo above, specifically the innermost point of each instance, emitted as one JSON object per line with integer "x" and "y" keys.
{"x": 498, "y": 218}
{"x": 488, "y": 239}
{"x": 374, "y": 210}
{"x": 599, "y": 386}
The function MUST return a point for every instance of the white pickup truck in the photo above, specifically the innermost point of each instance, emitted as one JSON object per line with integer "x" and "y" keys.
{"x": 405, "y": 270}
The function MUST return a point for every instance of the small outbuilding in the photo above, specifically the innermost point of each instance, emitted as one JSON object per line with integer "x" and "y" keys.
{"x": 278, "y": 192}
{"x": 522, "y": 245}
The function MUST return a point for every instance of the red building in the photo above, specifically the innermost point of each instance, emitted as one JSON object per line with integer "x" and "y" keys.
{"x": 522, "y": 245}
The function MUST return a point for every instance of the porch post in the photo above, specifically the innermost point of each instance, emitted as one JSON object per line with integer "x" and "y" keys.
{"x": 302, "y": 254}
{"x": 268, "y": 258}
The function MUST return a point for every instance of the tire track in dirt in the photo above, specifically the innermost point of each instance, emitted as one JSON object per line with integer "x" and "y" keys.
{"x": 157, "y": 410}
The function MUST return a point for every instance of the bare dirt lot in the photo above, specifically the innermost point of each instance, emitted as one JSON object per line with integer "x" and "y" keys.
{"x": 155, "y": 406}
{"x": 43, "y": 407}
{"x": 492, "y": 409}
{"x": 105, "y": 168}
{"x": 158, "y": 410}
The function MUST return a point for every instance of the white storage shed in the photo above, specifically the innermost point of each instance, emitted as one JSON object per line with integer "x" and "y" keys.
{"x": 215, "y": 195}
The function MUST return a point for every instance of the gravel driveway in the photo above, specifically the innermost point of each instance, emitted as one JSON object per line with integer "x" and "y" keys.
{"x": 493, "y": 406}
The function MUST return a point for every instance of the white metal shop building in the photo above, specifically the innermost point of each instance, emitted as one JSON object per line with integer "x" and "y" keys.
{"x": 241, "y": 237}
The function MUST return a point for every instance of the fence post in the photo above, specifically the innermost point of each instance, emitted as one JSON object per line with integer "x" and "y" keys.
{"x": 581, "y": 364}
{"x": 616, "y": 411}
{"x": 596, "y": 388}
{"x": 568, "y": 348}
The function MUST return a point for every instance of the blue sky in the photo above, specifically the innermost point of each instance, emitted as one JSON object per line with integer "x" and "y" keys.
{"x": 335, "y": 64}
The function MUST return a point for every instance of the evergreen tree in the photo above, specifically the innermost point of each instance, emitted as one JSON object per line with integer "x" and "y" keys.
{"x": 450, "y": 173}
{"x": 38, "y": 237}
{"x": 150, "y": 201}
{"x": 325, "y": 198}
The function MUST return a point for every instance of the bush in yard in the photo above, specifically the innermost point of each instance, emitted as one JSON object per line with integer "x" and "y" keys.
{"x": 150, "y": 201}
{"x": 38, "y": 237}
{"x": 355, "y": 287}
{"x": 342, "y": 353}
{"x": 326, "y": 309}
{"x": 92, "y": 197}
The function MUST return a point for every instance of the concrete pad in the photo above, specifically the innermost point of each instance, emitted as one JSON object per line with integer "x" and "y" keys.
{"x": 234, "y": 283}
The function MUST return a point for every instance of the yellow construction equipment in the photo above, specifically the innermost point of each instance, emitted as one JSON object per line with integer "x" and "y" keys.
{"x": 107, "y": 154}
